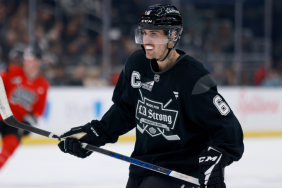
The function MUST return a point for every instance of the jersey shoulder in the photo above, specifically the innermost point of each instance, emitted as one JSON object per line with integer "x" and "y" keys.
{"x": 200, "y": 78}
{"x": 15, "y": 70}
{"x": 194, "y": 67}
{"x": 43, "y": 82}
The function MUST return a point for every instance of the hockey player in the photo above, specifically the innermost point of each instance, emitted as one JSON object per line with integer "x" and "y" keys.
{"x": 26, "y": 91}
{"x": 182, "y": 122}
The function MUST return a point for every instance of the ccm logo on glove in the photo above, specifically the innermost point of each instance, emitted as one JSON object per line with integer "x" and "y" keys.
{"x": 93, "y": 130}
{"x": 208, "y": 158}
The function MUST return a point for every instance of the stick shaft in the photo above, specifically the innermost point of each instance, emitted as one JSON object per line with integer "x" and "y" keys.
{"x": 12, "y": 121}
{"x": 9, "y": 119}
{"x": 127, "y": 159}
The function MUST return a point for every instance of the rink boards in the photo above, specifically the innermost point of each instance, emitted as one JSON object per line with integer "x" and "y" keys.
{"x": 258, "y": 109}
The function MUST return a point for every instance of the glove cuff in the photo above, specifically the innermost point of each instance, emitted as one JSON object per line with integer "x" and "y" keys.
{"x": 212, "y": 162}
{"x": 93, "y": 133}
{"x": 211, "y": 154}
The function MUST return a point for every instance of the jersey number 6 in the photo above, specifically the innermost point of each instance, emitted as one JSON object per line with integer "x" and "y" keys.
{"x": 222, "y": 107}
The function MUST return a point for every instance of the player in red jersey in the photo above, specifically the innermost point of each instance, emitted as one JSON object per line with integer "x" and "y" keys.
{"x": 26, "y": 90}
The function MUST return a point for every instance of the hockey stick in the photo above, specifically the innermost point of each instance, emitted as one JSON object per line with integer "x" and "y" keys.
{"x": 9, "y": 119}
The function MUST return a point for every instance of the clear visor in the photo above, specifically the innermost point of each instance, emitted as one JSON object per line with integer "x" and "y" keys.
{"x": 145, "y": 36}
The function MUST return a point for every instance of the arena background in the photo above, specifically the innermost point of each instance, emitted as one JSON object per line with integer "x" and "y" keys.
{"x": 86, "y": 43}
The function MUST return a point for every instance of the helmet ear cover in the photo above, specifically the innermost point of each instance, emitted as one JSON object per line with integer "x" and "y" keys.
{"x": 173, "y": 34}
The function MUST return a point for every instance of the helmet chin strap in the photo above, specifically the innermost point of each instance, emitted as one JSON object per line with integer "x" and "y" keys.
{"x": 169, "y": 50}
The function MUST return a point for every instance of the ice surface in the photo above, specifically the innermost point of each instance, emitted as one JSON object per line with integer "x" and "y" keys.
{"x": 44, "y": 166}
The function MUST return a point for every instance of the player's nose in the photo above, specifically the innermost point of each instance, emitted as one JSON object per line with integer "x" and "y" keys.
{"x": 147, "y": 40}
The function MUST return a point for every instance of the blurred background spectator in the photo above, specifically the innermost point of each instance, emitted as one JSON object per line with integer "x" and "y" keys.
{"x": 272, "y": 79}
{"x": 72, "y": 37}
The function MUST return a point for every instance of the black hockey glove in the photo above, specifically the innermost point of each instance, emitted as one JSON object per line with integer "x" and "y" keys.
{"x": 73, "y": 147}
{"x": 212, "y": 162}
{"x": 85, "y": 133}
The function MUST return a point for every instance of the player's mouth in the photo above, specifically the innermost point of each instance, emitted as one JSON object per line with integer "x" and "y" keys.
{"x": 149, "y": 48}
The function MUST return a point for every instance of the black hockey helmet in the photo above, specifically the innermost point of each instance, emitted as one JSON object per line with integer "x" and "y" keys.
{"x": 161, "y": 17}
{"x": 33, "y": 50}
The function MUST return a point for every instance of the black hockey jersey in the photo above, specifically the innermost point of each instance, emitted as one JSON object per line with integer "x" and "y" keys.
{"x": 177, "y": 114}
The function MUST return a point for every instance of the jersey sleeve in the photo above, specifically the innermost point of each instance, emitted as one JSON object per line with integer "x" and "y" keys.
{"x": 119, "y": 119}
{"x": 12, "y": 70}
{"x": 5, "y": 77}
{"x": 210, "y": 110}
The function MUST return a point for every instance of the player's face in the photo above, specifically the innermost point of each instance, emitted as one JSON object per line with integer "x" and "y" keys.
{"x": 31, "y": 67}
{"x": 154, "y": 44}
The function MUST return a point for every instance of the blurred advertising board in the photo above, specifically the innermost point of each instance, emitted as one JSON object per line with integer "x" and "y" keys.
{"x": 258, "y": 109}
{"x": 69, "y": 107}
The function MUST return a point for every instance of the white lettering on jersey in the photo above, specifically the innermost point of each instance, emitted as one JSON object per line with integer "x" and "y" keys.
{"x": 138, "y": 84}
{"x": 134, "y": 76}
{"x": 23, "y": 97}
{"x": 155, "y": 119}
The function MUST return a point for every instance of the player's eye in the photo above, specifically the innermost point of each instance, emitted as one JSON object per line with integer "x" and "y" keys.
{"x": 153, "y": 35}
